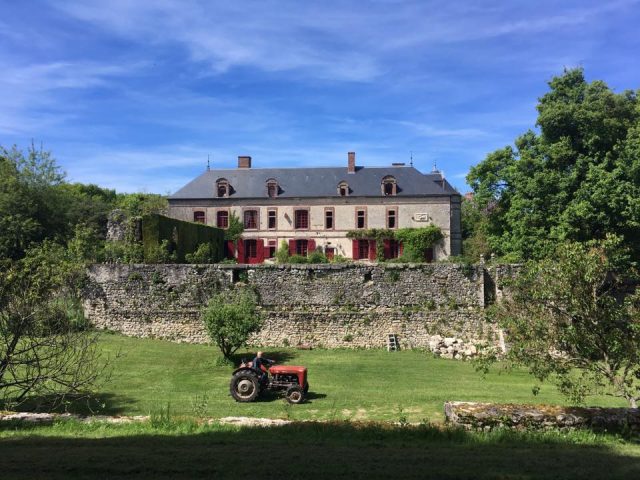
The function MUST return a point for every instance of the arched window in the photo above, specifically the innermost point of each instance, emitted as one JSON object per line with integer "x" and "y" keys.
{"x": 222, "y": 188}
{"x": 272, "y": 188}
{"x": 343, "y": 189}
{"x": 389, "y": 186}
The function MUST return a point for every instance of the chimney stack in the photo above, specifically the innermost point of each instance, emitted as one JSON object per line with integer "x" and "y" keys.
{"x": 244, "y": 162}
{"x": 351, "y": 167}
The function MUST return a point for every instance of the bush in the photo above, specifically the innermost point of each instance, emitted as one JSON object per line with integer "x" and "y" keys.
{"x": 298, "y": 259}
{"x": 230, "y": 319}
{"x": 317, "y": 257}
{"x": 160, "y": 253}
{"x": 203, "y": 254}
{"x": 282, "y": 255}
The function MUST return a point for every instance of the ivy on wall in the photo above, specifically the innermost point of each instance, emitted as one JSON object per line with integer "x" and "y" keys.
{"x": 415, "y": 241}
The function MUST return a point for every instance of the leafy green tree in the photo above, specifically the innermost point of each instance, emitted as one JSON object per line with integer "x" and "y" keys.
{"x": 282, "y": 254}
{"x": 230, "y": 319}
{"x": 474, "y": 231}
{"x": 577, "y": 179}
{"x": 574, "y": 319}
{"x": 235, "y": 228}
{"x": 416, "y": 241}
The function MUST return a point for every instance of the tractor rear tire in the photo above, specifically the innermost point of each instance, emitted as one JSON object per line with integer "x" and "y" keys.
{"x": 295, "y": 394}
{"x": 244, "y": 387}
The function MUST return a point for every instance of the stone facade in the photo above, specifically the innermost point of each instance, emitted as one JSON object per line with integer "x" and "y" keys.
{"x": 434, "y": 306}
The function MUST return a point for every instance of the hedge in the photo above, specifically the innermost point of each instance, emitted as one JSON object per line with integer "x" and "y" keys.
{"x": 182, "y": 237}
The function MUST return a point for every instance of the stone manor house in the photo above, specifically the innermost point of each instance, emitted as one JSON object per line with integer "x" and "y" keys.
{"x": 314, "y": 208}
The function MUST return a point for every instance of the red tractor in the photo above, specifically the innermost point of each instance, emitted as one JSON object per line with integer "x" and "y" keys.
{"x": 247, "y": 383}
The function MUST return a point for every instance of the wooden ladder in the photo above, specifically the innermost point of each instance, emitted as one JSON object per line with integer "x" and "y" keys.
{"x": 392, "y": 343}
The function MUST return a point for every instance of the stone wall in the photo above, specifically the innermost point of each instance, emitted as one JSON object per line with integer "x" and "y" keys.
{"x": 435, "y": 306}
{"x": 487, "y": 416}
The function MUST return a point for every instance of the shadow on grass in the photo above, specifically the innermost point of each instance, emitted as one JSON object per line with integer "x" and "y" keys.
{"x": 102, "y": 404}
{"x": 270, "y": 396}
{"x": 316, "y": 450}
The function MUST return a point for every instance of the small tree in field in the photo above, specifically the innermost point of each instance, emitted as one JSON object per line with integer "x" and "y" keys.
{"x": 230, "y": 319}
{"x": 575, "y": 319}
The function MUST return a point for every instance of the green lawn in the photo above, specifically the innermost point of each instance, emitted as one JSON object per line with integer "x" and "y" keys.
{"x": 353, "y": 385}
{"x": 367, "y": 385}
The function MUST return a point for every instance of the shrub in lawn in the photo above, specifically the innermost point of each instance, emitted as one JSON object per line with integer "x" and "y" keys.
{"x": 230, "y": 318}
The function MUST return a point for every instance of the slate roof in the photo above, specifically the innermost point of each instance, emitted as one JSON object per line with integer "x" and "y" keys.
{"x": 314, "y": 182}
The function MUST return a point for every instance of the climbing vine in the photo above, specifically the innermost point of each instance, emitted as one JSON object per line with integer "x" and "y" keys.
{"x": 415, "y": 241}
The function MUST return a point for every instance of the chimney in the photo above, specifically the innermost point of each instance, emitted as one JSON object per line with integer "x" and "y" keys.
{"x": 351, "y": 167}
{"x": 244, "y": 162}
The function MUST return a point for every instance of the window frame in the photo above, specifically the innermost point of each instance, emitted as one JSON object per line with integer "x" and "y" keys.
{"x": 387, "y": 216}
{"x": 295, "y": 218}
{"x": 299, "y": 249}
{"x": 218, "y": 212}
{"x": 275, "y": 218}
{"x": 223, "y": 183}
{"x": 272, "y": 184}
{"x": 365, "y": 217}
{"x": 204, "y": 216}
{"x": 342, "y": 185}
{"x": 332, "y": 211}
{"x": 257, "y": 218}
{"x": 386, "y": 181}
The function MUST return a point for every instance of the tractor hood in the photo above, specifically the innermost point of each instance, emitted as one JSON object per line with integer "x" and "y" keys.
{"x": 300, "y": 372}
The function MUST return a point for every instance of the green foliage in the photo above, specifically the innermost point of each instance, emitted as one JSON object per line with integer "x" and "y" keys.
{"x": 317, "y": 257}
{"x": 282, "y": 254}
{"x": 575, "y": 319}
{"x": 230, "y": 319}
{"x": 340, "y": 259}
{"x": 416, "y": 241}
{"x": 141, "y": 204}
{"x": 298, "y": 259}
{"x": 125, "y": 252}
{"x": 203, "y": 254}
{"x": 235, "y": 228}
{"x": 577, "y": 180}
{"x": 168, "y": 240}
{"x": 475, "y": 242}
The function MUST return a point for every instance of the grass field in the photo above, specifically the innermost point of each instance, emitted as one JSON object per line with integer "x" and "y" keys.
{"x": 353, "y": 385}
{"x": 353, "y": 389}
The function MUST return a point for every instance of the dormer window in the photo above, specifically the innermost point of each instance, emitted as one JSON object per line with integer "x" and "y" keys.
{"x": 389, "y": 186}
{"x": 343, "y": 189}
{"x": 272, "y": 188}
{"x": 222, "y": 188}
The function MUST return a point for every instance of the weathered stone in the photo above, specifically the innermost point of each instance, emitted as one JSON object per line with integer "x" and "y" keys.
{"x": 313, "y": 305}
{"x": 486, "y": 416}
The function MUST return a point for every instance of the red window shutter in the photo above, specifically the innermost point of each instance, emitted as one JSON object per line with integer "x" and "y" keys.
{"x": 241, "y": 258}
{"x": 372, "y": 249}
{"x": 356, "y": 249}
{"x": 231, "y": 249}
{"x": 311, "y": 246}
{"x": 400, "y": 249}
{"x": 292, "y": 247}
{"x": 260, "y": 250}
{"x": 387, "y": 248}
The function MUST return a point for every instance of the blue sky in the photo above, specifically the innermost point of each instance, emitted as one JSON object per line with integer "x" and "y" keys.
{"x": 134, "y": 95}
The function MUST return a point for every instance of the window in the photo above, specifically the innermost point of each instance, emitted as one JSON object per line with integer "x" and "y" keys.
{"x": 272, "y": 217}
{"x": 199, "y": 217}
{"x": 343, "y": 189}
{"x": 222, "y": 187}
{"x": 222, "y": 219}
{"x": 272, "y": 188}
{"x": 271, "y": 249}
{"x": 302, "y": 247}
{"x": 389, "y": 186}
{"x": 394, "y": 249}
{"x": 363, "y": 249}
{"x": 251, "y": 219}
{"x": 301, "y": 219}
{"x": 361, "y": 218}
{"x": 251, "y": 249}
{"x": 330, "y": 252}
{"x": 392, "y": 218}
{"x": 328, "y": 219}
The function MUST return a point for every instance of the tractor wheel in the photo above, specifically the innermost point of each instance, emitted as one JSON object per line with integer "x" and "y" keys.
{"x": 306, "y": 388}
{"x": 244, "y": 387}
{"x": 295, "y": 394}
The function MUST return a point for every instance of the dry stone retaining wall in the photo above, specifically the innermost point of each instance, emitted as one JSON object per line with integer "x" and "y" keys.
{"x": 435, "y": 306}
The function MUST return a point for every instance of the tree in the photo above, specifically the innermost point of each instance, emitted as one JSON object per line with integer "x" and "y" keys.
{"x": 577, "y": 179}
{"x": 474, "y": 231}
{"x": 44, "y": 353}
{"x": 575, "y": 319}
{"x": 230, "y": 319}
